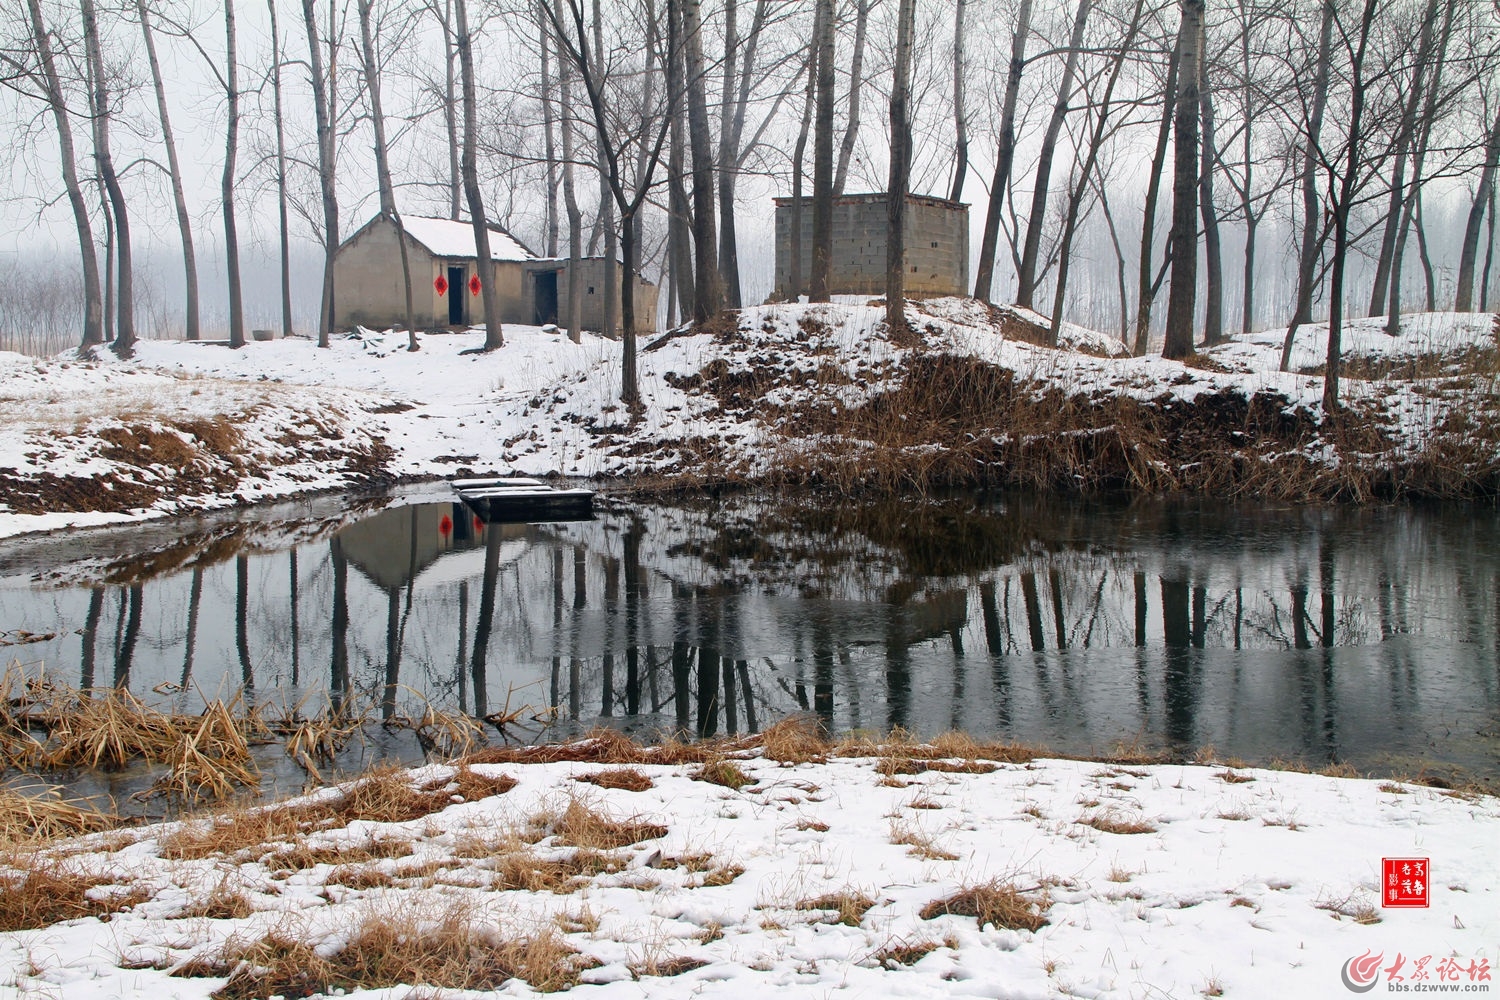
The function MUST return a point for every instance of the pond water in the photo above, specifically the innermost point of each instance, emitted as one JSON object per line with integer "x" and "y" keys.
{"x": 1359, "y": 635}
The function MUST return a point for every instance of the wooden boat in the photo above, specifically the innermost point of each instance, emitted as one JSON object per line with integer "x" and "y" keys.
{"x": 518, "y": 499}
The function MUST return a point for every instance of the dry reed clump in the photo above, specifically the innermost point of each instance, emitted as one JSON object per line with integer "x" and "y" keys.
{"x": 624, "y": 778}
{"x": 653, "y": 965}
{"x": 723, "y": 772}
{"x": 392, "y": 949}
{"x": 302, "y": 856}
{"x": 848, "y": 907}
{"x": 581, "y": 826}
{"x": 37, "y": 892}
{"x": 993, "y": 902}
{"x": 1111, "y": 821}
{"x": 224, "y": 903}
{"x": 797, "y": 739}
{"x": 46, "y": 816}
{"x": 894, "y": 956}
{"x": 210, "y": 762}
{"x": 607, "y": 746}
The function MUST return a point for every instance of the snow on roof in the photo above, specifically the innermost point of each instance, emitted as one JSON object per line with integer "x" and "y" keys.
{"x": 446, "y": 238}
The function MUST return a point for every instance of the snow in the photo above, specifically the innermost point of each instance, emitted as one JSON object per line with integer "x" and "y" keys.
{"x": 1249, "y": 882}
{"x": 447, "y": 238}
{"x": 542, "y": 405}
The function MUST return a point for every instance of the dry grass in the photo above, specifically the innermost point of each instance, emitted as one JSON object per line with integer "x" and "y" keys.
{"x": 1233, "y": 777}
{"x": 209, "y": 762}
{"x": 723, "y": 772}
{"x": 894, "y": 956}
{"x": 848, "y": 907}
{"x": 654, "y": 965}
{"x": 46, "y": 816}
{"x": 393, "y": 948}
{"x": 38, "y": 892}
{"x": 814, "y": 825}
{"x": 993, "y": 902}
{"x": 224, "y": 903}
{"x": 626, "y": 778}
{"x": 1353, "y": 906}
{"x": 1110, "y": 821}
{"x": 795, "y": 740}
{"x": 921, "y": 844}
{"x": 302, "y": 856}
{"x": 581, "y": 826}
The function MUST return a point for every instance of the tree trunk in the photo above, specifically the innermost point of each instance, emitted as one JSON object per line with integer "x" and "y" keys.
{"x": 606, "y": 218}
{"x": 681, "y": 210}
{"x": 795, "y": 277}
{"x": 1005, "y": 154}
{"x": 125, "y": 303}
{"x": 736, "y": 100}
{"x": 1146, "y": 288}
{"x": 281, "y": 206}
{"x": 1341, "y": 208}
{"x": 822, "y": 250}
{"x": 179, "y": 197}
{"x": 1247, "y": 118}
{"x": 900, "y": 172}
{"x": 570, "y": 198}
{"x": 1312, "y": 222}
{"x": 484, "y": 262}
{"x": 1037, "y": 220}
{"x": 550, "y": 226}
{"x": 960, "y": 117}
{"x": 1183, "y": 291}
{"x": 1213, "y": 259}
{"x": 856, "y": 85}
{"x": 383, "y": 164}
{"x": 226, "y": 184}
{"x": 109, "y": 257}
{"x": 327, "y": 152}
{"x": 707, "y": 293}
{"x": 450, "y": 114}
{"x": 1464, "y": 296}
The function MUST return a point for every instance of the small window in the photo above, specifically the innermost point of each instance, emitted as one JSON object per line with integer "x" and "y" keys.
{"x": 591, "y": 289}
{"x": 914, "y": 269}
{"x": 934, "y": 245}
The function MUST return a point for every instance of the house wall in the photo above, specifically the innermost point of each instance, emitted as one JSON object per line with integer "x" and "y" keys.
{"x": 369, "y": 290}
{"x": 936, "y": 237}
{"x": 591, "y": 272}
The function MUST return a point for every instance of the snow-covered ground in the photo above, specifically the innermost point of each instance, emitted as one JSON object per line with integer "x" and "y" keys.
{"x": 94, "y": 441}
{"x": 1240, "y": 882}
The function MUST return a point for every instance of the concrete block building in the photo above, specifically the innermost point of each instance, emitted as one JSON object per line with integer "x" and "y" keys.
{"x": 369, "y": 290}
{"x": 937, "y": 245}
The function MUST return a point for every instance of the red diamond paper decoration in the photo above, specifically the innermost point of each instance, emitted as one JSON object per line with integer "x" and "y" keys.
{"x": 441, "y": 284}
{"x": 474, "y": 285}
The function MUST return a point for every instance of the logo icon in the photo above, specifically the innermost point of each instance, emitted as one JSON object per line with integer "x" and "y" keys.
{"x": 1360, "y": 974}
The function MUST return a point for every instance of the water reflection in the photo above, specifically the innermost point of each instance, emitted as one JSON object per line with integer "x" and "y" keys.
{"x": 1361, "y": 635}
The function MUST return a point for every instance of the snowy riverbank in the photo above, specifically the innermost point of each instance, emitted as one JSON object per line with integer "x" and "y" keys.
{"x": 792, "y": 392}
{"x": 814, "y": 879}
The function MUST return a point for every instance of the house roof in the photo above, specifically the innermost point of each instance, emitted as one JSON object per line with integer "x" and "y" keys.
{"x": 446, "y": 238}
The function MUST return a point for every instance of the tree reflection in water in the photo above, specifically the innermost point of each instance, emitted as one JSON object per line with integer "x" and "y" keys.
{"x": 1327, "y": 634}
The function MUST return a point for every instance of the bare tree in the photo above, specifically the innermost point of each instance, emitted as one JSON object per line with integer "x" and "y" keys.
{"x": 1213, "y": 261}
{"x": 1005, "y": 154}
{"x": 281, "y": 205}
{"x": 1469, "y": 252}
{"x": 1146, "y": 286}
{"x": 570, "y": 192}
{"x": 856, "y": 86}
{"x": 900, "y": 172}
{"x": 324, "y": 110}
{"x": 1030, "y": 254}
{"x": 707, "y": 288}
{"x": 102, "y": 116}
{"x": 960, "y": 117}
{"x": 382, "y": 162}
{"x": 795, "y": 284}
{"x": 227, "y": 181}
{"x": 1183, "y": 290}
{"x": 484, "y": 263}
{"x": 51, "y": 86}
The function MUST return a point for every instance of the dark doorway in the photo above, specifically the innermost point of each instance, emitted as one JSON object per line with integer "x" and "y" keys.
{"x": 546, "y": 297}
{"x": 457, "y": 288}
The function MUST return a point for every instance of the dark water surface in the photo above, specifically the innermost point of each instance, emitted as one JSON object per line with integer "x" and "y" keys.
{"x": 1367, "y": 636}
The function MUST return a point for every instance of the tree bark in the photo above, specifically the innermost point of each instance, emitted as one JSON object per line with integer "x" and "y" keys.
{"x": 681, "y": 209}
{"x": 856, "y": 85}
{"x": 900, "y": 172}
{"x": 383, "y": 163}
{"x": 1183, "y": 291}
{"x": 124, "y": 343}
{"x": 606, "y": 203}
{"x": 550, "y": 225}
{"x": 327, "y": 152}
{"x": 450, "y": 115}
{"x": 795, "y": 285}
{"x": 707, "y": 291}
{"x": 226, "y": 184}
{"x": 281, "y": 207}
{"x": 570, "y": 197}
{"x": 1146, "y": 288}
{"x": 484, "y": 262}
{"x": 736, "y": 99}
{"x": 1037, "y": 219}
{"x": 1213, "y": 259}
{"x": 822, "y": 250}
{"x": 1005, "y": 154}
